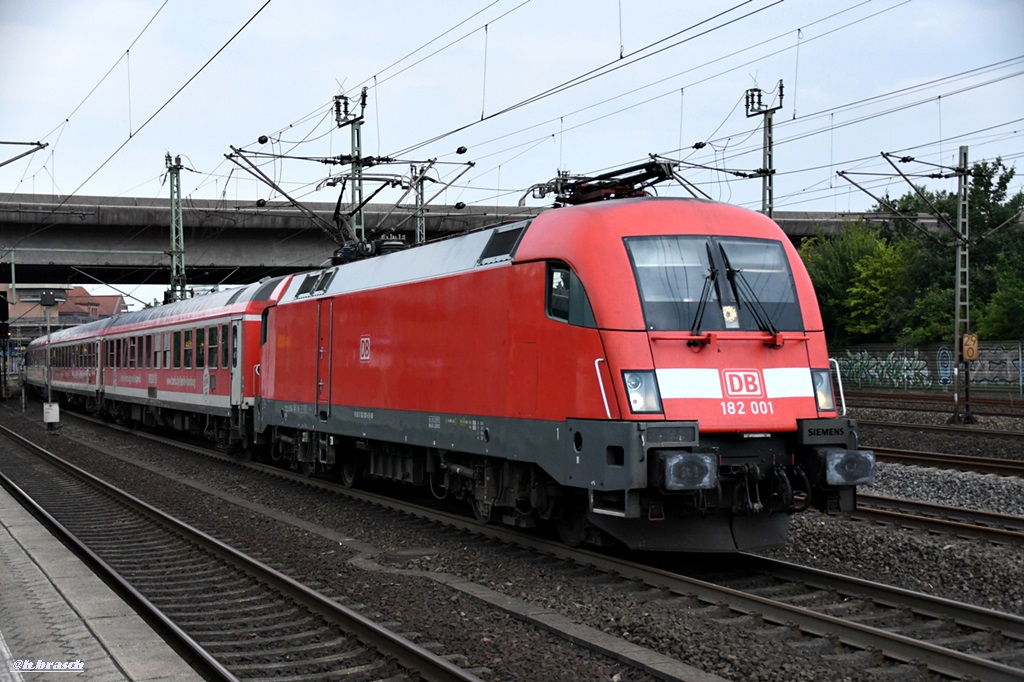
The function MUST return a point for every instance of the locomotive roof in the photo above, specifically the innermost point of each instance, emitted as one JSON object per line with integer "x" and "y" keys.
{"x": 584, "y": 236}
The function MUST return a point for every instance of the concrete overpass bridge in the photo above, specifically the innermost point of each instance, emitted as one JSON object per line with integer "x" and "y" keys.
{"x": 118, "y": 240}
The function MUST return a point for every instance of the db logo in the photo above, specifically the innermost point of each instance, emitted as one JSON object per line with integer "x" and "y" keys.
{"x": 743, "y": 383}
{"x": 364, "y": 348}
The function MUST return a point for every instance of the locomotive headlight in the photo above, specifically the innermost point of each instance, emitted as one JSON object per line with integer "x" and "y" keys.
{"x": 690, "y": 470}
{"x": 642, "y": 389}
{"x": 822, "y": 381}
{"x": 849, "y": 467}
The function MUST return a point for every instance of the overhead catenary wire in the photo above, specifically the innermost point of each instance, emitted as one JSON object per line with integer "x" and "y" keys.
{"x": 156, "y": 113}
{"x": 593, "y": 73}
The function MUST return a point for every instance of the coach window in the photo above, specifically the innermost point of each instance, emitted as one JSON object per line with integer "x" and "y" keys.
{"x": 188, "y": 349}
{"x": 200, "y": 347}
{"x": 157, "y": 350}
{"x": 234, "y": 350}
{"x": 566, "y": 299}
{"x": 211, "y": 345}
{"x": 177, "y": 350}
{"x": 166, "y": 349}
{"x": 149, "y": 350}
{"x": 225, "y": 339}
{"x": 131, "y": 351}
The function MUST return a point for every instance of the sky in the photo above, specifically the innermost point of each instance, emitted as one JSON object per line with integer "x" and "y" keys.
{"x": 530, "y": 89}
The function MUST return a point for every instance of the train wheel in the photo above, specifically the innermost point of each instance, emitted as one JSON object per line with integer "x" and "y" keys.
{"x": 572, "y": 523}
{"x": 481, "y": 510}
{"x": 349, "y": 469}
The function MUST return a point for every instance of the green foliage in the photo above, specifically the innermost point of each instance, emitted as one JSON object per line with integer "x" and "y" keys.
{"x": 1003, "y": 317}
{"x": 895, "y": 282}
{"x": 876, "y": 295}
{"x": 930, "y": 317}
{"x": 832, "y": 264}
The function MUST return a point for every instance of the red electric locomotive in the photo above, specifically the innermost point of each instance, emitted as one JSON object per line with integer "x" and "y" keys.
{"x": 647, "y": 371}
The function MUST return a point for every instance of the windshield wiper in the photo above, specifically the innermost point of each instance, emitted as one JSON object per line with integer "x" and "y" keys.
{"x": 739, "y": 284}
{"x": 705, "y": 294}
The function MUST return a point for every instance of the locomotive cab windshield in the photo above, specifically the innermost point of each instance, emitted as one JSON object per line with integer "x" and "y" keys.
{"x": 681, "y": 290}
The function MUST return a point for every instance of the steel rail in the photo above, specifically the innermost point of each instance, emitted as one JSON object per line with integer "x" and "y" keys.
{"x": 186, "y": 647}
{"x": 407, "y": 653}
{"x": 897, "y": 647}
{"x": 942, "y": 428}
{"x": 986, "y": 525}
{"x": 983, "y": 465}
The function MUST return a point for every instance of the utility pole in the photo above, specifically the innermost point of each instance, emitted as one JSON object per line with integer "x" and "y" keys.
{"x": 342, "y": 118}
{"x": 177, "y": 290}
{"x": 421, "y": 221}
{"x": 5, "y": 345}
{"x": 756, "y": 107}
{"x": 49, "y": 298}
{"x": 965, "y": 343}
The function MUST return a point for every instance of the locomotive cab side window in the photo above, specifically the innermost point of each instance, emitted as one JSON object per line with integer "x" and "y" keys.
{"x": 566, "y": 300}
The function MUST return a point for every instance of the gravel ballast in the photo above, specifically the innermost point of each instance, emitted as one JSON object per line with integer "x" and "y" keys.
{"x": 389, "y": 571}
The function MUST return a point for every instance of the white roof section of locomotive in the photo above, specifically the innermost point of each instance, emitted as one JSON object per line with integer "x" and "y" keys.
{"x": 443, "y": 258}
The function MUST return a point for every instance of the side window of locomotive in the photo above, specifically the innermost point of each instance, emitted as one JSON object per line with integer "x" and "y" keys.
{"x": 558, "y": 293}
{"x": 264, "y": 326}
{"x": 566, "y": 299}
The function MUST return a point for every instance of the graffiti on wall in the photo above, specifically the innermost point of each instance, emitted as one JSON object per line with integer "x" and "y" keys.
{"x": 997, "y": 366}
{"x": 895, "y": 369}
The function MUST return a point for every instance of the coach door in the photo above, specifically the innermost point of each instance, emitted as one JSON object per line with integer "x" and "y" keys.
{"x": 235, "y": 344}
{"x": 323, "y": 358}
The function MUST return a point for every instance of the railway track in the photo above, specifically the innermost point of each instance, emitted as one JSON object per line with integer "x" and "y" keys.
{"x": 944, "y": 429}
{"x": 969, "y": 523}
{"x": 241, "y": 618}
{"x": 905, "y": 628}
{"x": 983, "y": 465}
{"x": 993, "y": 406}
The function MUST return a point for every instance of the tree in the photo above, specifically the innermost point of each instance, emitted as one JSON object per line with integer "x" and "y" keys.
{"x": 1003, "y": 317}
{"x": 832, "y": 261}
{"x": 876, "y": 297}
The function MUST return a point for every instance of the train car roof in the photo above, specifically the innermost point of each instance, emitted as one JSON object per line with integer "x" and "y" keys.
{"x": 230, "y": 301}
